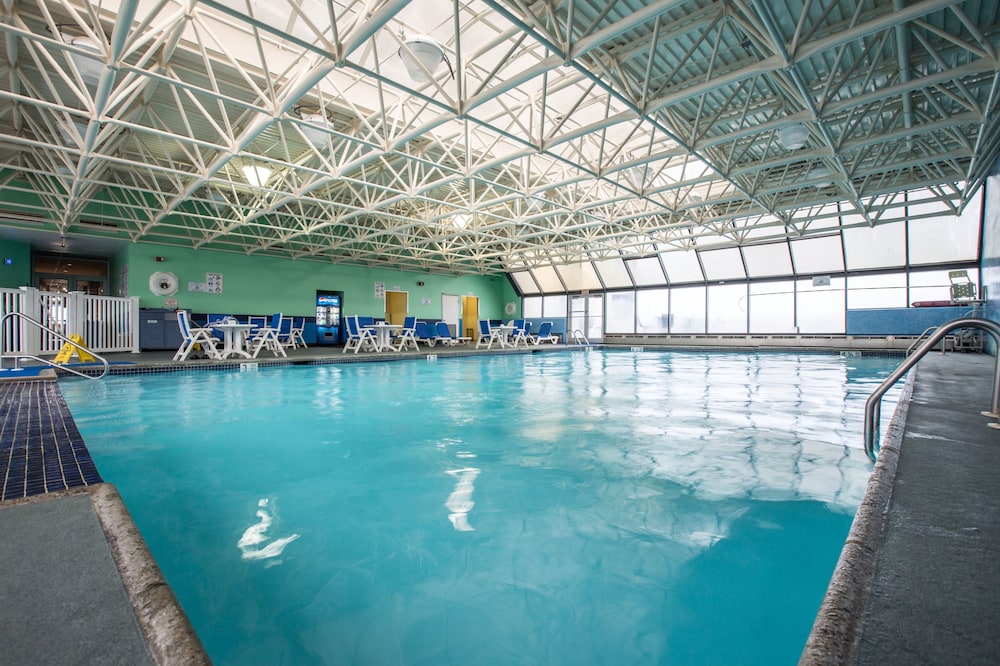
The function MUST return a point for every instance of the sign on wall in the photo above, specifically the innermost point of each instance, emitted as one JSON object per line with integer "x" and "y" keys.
{"x": 380, "y": 290}
{"x": 214, "y": 282}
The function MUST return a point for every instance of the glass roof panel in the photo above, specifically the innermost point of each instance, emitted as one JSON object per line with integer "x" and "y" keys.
{"x": 578, "y": 277}
{"x": 525, "y": 283}
{"x": 822, "y": 254}
{"x": 547, "y": 279}
{"x": 723, "y": 264}
{"x": 683, "y": 267}
{"x": 883, "y": 246}
{"x": 646, "y": 271}
{"x": 768, "y": 260}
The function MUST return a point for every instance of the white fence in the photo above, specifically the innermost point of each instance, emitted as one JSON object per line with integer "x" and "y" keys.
{"x": 106, "y": 323}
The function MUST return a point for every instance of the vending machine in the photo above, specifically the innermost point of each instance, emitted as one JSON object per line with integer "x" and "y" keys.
{"x": 328, "y": 326}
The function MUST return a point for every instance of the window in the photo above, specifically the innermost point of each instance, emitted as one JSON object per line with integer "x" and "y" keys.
{"x": 772, "y": 307}
{"x": 727, "y": 308}
{"x": 876, "y": 291}
{"x": 820, "y": 309}
{"x": 621, "y": 312}
{"x": 687, "y": 310}
{"x": 652, "y": 311}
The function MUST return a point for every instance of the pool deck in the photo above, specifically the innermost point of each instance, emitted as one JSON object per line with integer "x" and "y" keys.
{"x": 918, "y": 587}
{"x": 919, "y": 576}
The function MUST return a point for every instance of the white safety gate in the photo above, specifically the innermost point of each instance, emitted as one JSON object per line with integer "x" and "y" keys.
{"x": 106, "y": 323}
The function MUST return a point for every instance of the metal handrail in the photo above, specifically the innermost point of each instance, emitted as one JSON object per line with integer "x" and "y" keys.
{"x": 17, "y": 357}
{"x": 874, "y": 403}
{"x": 578, "y": 335}
{"x": 916, "y": 343}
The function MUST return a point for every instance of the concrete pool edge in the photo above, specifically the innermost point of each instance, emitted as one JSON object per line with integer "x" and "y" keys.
{"x": 168, "y": 632}
{"x": 837, "y": 628}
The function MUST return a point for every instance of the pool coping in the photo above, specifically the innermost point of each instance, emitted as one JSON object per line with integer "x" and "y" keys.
{"x": 837, "y": 629}
{"x": 168, "y": 632}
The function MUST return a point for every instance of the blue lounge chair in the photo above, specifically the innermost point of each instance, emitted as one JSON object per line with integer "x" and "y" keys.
{"x": 445, "y": 337}
{"x": 544, "y": 334}
{"x": 424, "y": 332}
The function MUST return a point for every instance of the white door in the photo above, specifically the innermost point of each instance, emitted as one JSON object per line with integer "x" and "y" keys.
{"x": 451, "y": 311}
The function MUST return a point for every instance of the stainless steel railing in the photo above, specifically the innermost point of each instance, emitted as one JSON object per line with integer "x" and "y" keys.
{"x": 873, "y": 406}
{"x": 17, "y": 356}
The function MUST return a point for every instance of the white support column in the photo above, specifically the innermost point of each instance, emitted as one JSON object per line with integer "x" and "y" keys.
{"x": 133, "y": 316}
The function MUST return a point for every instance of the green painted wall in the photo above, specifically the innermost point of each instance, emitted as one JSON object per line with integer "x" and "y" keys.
{"x": 262, "y": 285}
{"x": 18, "y": 273}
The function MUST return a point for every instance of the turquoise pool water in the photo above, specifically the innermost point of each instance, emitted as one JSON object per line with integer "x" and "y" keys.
{"x": 560, "y": 508}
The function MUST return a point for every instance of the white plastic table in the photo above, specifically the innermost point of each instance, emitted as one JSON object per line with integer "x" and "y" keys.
{"x": 233, "y": 335}
{"x": 382, "y": 333}
{"x": 505, "y": 331}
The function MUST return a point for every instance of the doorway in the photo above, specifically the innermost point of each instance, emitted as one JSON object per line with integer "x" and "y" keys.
{"x": 470, "y": 317}
{"x": 586, "y": 314}
{"x": 451, "y": 312}
{"x": 397, "y": 305}
{"x": 63, "y": 274}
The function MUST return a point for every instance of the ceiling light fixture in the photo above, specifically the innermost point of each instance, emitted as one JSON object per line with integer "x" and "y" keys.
{"x": 421, "y": 55}
{"x": 90, "y": 68}
{"x": 256, "y": 175}
{"x": 317, "y": 137}
{"x": 821, "y": 174}
{"x": 793, "y": 136}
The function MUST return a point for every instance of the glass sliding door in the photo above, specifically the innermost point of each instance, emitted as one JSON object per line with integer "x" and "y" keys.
{"x": 586, "y": 315}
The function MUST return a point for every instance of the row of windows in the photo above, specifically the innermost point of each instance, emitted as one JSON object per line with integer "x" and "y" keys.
{"x": 808, "y": 306}
{"x": 928, "y": 235}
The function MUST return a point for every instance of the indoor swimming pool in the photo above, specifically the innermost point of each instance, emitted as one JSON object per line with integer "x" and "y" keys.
{"x": 587, "y": 507}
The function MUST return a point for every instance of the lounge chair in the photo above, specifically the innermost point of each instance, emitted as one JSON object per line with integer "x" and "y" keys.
{"x": 445, "y": 337}
{"x": 544, "y": 334}
{"x": 191, "y": 336}
{"x": 487, "y": 335}
{"x": 358, "y": 338}
{"x": 268, "y": 338}
{"x": 424, "y": 332}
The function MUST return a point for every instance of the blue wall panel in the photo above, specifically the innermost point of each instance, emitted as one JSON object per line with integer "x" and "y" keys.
{"x": 901, "y": 321}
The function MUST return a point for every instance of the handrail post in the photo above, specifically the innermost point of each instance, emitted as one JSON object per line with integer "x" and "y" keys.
{"x": 873, "y": 405}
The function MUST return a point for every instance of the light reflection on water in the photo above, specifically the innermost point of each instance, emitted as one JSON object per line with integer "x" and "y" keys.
{"x": 554, "y": 508}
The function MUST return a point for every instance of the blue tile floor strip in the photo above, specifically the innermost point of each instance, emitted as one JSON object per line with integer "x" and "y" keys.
{"x": 41, "y": 449}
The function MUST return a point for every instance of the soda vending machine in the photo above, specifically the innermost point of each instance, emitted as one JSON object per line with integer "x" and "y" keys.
{"x": 328, "y": 326}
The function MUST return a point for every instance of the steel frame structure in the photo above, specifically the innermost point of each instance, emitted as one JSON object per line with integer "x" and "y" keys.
{"x": 560, "y": 130}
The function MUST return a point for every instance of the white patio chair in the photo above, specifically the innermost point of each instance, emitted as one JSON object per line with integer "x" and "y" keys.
{"x": 358, "y": 338}
{"x": 266, "y": 337}
{"x": 191, "y": 336}
{"x": 488, "y": 335}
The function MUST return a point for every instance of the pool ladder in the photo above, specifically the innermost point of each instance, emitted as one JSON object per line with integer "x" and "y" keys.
{"x": 580, "y": 339}
{"x": 873, "y": 406}
{"x": 42, "y": 327}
